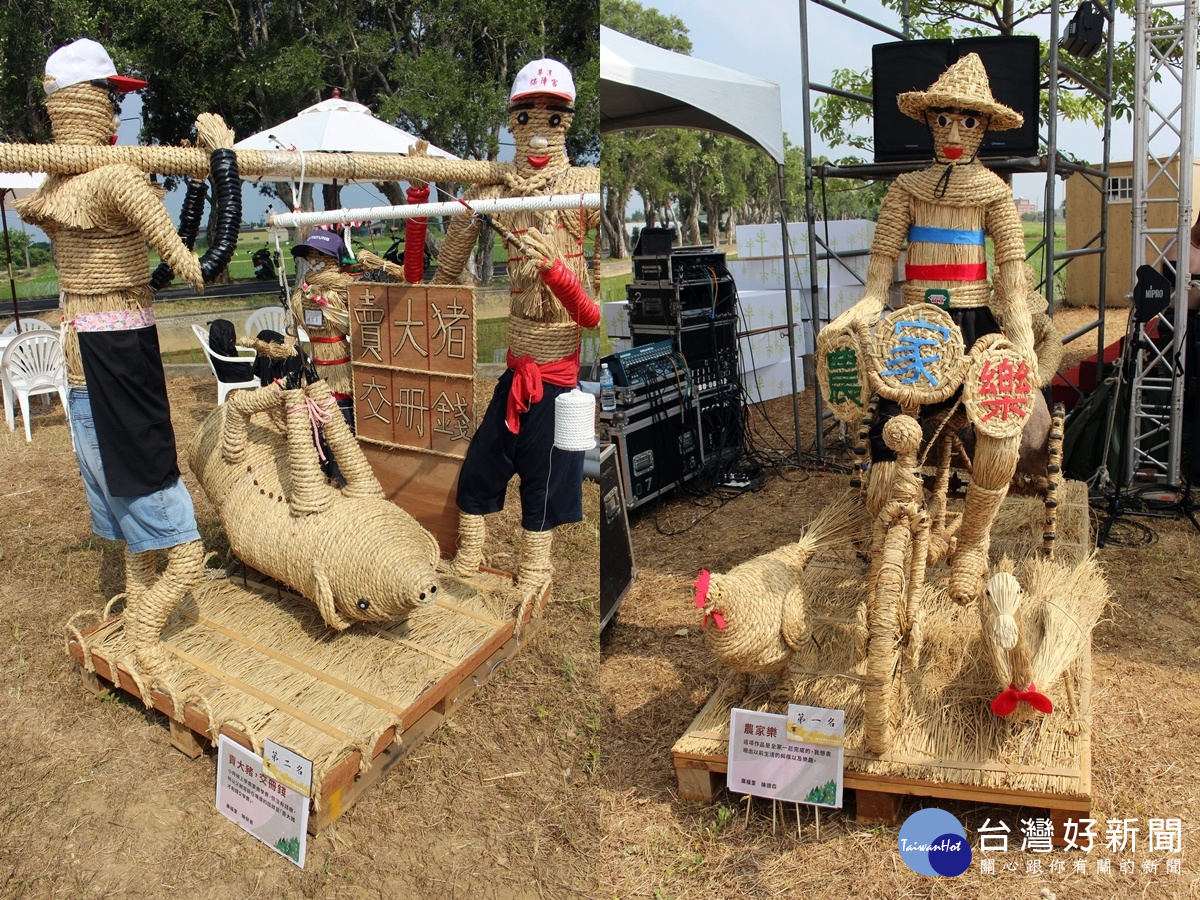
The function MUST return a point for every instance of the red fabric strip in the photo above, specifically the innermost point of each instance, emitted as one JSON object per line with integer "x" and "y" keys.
{"x": 528, "y": 377}
{"x": 947, "y": 272}
{"x": 331, "y": 362}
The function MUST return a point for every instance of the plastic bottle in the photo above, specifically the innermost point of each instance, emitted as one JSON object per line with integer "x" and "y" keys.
{"x": 608, "y": 394}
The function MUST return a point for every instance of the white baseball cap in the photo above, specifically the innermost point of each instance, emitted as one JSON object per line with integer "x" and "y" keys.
{"x": 544, "y": 76}
{"x": 85, "y": 60}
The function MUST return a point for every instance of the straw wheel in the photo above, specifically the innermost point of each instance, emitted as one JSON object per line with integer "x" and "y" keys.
{"x": 998, "y": 389}
{"x": 919, "y": 356}
{"x": 842, "y": 377}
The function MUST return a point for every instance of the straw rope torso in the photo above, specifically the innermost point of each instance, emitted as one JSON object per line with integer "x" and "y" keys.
{"x": 332, "y": 357}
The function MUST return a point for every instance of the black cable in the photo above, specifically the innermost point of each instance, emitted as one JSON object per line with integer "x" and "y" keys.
{"x": 227, "y": 187}
{"x": 189, "y": 226}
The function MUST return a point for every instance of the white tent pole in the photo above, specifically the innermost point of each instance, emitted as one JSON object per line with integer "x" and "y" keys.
{"x": 448, "y": 208}
{"x": 787, "y": 305}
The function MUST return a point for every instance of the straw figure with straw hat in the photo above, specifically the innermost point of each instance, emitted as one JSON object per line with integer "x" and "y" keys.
{"x": 945, "y": 212}
{"x": 100, "y": 223}
{"x": 548, "y": 310}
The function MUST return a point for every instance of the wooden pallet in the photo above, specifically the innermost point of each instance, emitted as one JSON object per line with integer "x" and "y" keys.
{"x": 701, "y": 775}
{"x": 344, "y": 783}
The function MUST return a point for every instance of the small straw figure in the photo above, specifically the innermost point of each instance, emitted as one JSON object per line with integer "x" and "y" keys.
{"x": 100, "y": 223}
{"x": 946, "y": 212}
{"x": 548, "y": 310}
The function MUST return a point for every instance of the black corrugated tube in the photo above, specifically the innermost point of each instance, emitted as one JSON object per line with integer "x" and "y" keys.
{"x": 189, "y": 227}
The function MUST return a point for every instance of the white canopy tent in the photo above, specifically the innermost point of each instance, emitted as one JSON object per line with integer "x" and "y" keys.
{"x": 20, "y": 185}
{"x": 643, "y": 86}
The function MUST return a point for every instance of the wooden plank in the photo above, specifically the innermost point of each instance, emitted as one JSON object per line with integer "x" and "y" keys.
{"x": 185, "y": 740}
{"x": 698, "y": 784}
{"x": 421, "y": 484}
{"x": 876, "y": 806}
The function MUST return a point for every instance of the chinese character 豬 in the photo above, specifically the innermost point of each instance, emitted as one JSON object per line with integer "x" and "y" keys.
{"x": 1166, "y": 835}
{"x": 993, "y": 834}
{"x": 454, "y": 336}
{"x": 1038, "y": 835}
{"x": 1006, "y": 391}
{"x": 908, "y": 359}
{"x": 408, "y": 335}
{"x": 842, "y": 364}
{"x": 1071, "y": 832}
{"x": 369, "y": 327}
{"x": 411, "y": 402}
{"x": 1119, "y": 834}
{"x": 375, "y": 405}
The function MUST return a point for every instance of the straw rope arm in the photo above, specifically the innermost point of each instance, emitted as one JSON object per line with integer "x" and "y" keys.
{"x": 1009, "y": 283}
{"x": 275, "y": 165}
{"x": 460, "y": 238}
{"x": 137, "y": 200}
{"x": 895, "y": 215}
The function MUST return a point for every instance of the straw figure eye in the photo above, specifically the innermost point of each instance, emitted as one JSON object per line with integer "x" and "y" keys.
{"x": 555, "y": 120}
{"x": 943, "y": 120}
{"x": 969, "y": 123}
{"x": 522, "y": 118}
{"x": 364, "y": 604}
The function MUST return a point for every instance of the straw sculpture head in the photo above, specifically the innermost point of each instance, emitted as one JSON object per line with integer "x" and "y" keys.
{"x": 959, "y": 108}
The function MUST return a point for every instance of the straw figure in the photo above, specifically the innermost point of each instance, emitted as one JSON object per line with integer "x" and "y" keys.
{"x": 757, "y": 609}
{"x": 945, "y": 212}
{"x": 548, "y": 310}
{"x": 100, "y": 223}
{"x": 1032, "y": 635}
{"x": 358, "y": 556}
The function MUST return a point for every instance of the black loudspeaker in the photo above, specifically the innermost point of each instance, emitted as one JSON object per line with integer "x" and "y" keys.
{"x": 617, "y": 569}
{"x": 1012, "y": 64}
{"x": 1085, "y": 33}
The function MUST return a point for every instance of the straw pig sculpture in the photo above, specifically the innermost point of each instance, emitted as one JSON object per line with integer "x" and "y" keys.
{"x": 945, "y": 212}
{"x": 359, "y": 557}
{"x": 758, "y": 607}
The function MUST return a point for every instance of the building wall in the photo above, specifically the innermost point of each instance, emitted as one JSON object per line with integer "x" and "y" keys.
{"x": 1083, "y": 221}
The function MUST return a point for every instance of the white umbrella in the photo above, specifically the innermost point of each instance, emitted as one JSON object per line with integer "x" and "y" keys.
{"x": 19, "y": 184}
{"x": 336, "y": 126}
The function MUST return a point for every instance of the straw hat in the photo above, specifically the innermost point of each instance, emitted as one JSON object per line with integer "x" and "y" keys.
{"x": 965, "y": 85}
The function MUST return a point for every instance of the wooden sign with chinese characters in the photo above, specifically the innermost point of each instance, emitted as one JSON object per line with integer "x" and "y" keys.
{"x": 413, "y": 354}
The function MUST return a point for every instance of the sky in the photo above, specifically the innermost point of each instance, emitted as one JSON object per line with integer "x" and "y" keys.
{"x": 763, "y": 39}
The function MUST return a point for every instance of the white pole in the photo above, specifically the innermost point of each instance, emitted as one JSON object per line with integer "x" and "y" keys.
{"x": 448, "y": 208}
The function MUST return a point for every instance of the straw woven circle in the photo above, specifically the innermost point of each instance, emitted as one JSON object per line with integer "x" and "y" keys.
{"x": 919, "y": 354}
{"x": 998, "y": 388}
{"x": 841, "y": 376}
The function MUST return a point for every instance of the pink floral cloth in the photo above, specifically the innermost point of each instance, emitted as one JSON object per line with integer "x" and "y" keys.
{"x": 114, "y": 320}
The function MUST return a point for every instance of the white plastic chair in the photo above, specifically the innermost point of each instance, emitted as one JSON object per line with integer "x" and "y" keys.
{"x": 27, "y": 324}
{"x": 272, "y": 318}
{"x": 224, "y": 387}
{"x": 32, "y": 364}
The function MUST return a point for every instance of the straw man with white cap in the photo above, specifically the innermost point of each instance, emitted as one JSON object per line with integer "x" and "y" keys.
{"x": 100, "y": 223}
{"x": 945, "y": 212}
{"x": 548, "y": 310}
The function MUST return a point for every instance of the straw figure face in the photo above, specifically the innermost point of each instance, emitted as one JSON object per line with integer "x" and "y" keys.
{"x": 539, "y": 124}
{"x": 83, "y": 114}
{"x": 957, "y": 133}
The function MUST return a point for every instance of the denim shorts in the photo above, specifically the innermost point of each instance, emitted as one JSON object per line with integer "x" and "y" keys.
{"x": 154, "y": 521}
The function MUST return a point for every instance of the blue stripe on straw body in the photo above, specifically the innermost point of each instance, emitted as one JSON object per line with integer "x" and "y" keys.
{"x": 932, "y": 235}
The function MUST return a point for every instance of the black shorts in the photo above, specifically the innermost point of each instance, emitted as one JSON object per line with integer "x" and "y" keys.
{"x": 551, "y": 479}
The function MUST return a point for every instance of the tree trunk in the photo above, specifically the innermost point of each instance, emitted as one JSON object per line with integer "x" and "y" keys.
{"x": 614, "y": 220}
{"x": 485, "y": 248}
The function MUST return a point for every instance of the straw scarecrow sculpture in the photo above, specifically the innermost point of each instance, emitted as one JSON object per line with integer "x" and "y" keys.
{"x": 945, "y": 212}
{"x": 549, "y": 308}
{"x": 100, "y": 223}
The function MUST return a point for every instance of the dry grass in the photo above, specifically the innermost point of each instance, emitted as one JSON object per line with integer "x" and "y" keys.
{"x": 654, "y": 680}
{"x": 99, "y": 804}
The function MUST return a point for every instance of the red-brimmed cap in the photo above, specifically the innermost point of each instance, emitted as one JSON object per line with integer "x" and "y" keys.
{"x": 85, "y": 60}
{"x": 544, "y": 76}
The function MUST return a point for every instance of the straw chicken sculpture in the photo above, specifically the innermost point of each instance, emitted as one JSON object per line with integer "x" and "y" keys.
{"x": 757, "y": 609}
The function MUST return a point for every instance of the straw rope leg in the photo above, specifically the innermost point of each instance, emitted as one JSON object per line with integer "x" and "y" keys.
{"x": 472, "y": 531}
{"x": 941, "y": 538}
{"x": 534, "y": 569}
{"x": 140, "y": 572}
{"x": 310, "y": 493}
{"x": 147, "y": 614}
{"x": 862, "y": 447}
{"x": 995, "y": 462}
{"x": 1054, "y": 479}
{"x": 361, "y": 483}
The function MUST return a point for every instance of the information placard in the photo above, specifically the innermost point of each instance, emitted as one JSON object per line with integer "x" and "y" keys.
{"x": 268, "y": 809}
{"x": 764, "y": 762}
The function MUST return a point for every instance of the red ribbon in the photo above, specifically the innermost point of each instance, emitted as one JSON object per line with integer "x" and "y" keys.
{"x": 1006, "y": 702}
{"x": 414, "y": 238}
{"x": 701, "y": 585}
{"x": 947, "y": 272}
{"x": 528, "y": 377}
{"x": 564, "y": 285}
